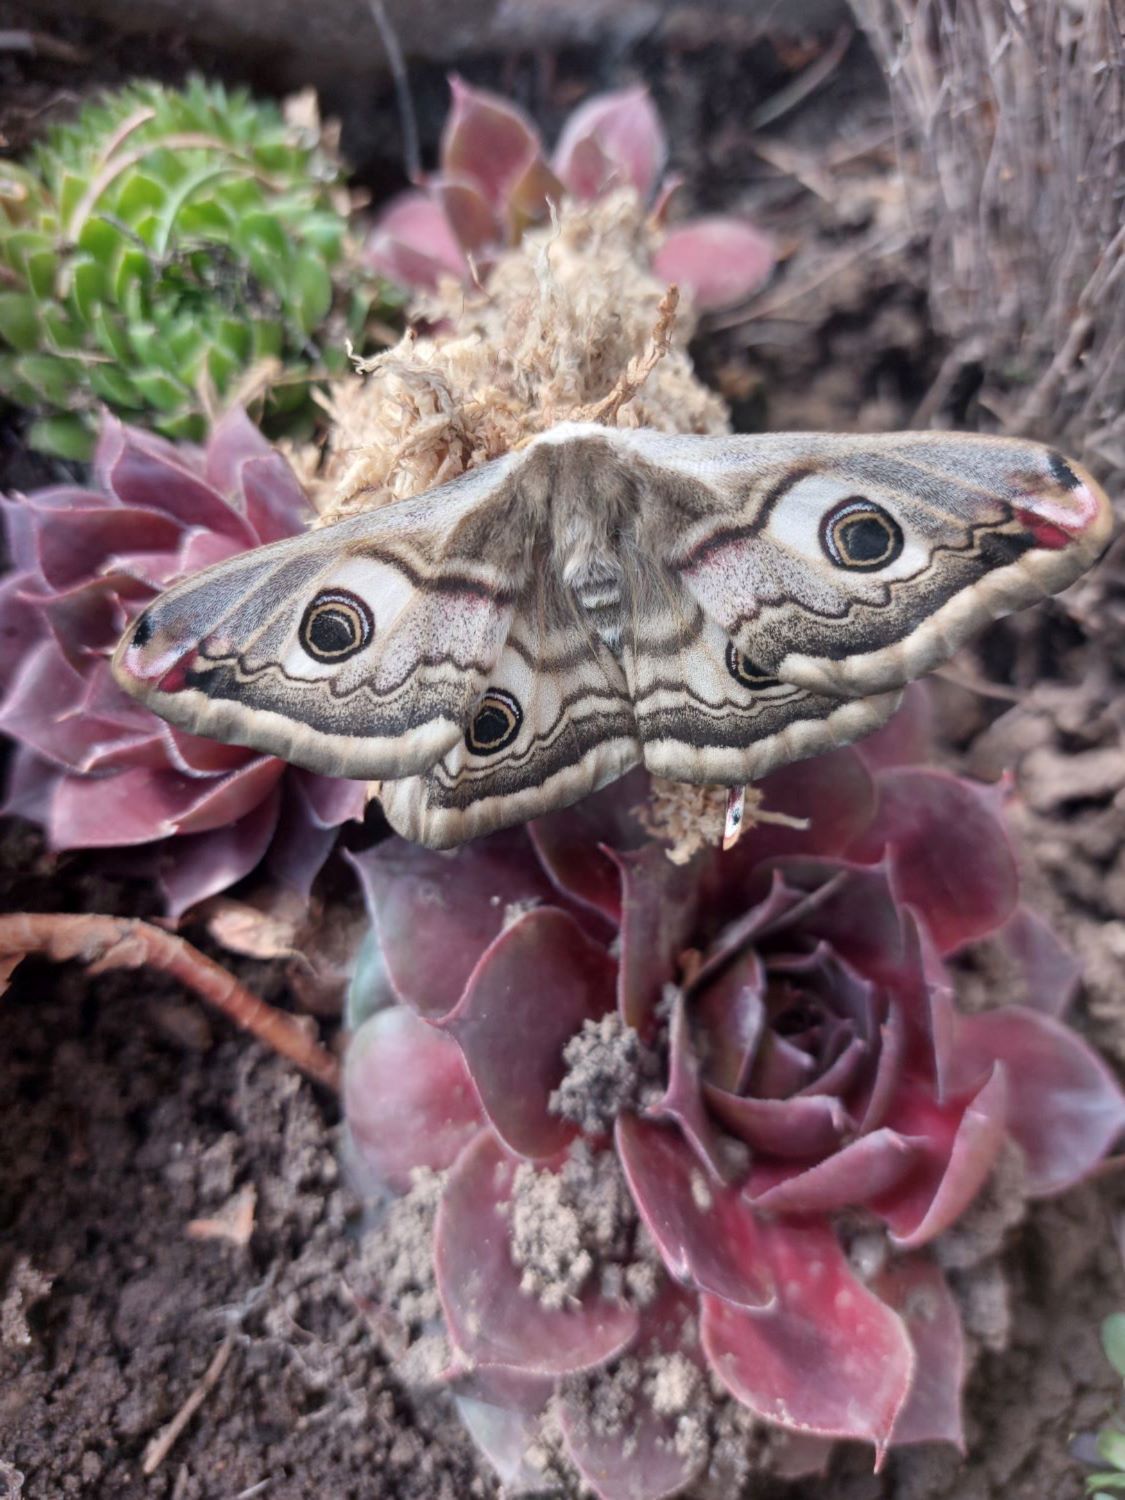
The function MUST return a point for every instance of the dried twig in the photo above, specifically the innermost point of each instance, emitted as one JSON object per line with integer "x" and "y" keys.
{"x": 408, "y": 123}
{"x": 42, "y": 44}
{"x": 161, "y": 1445}
{"x": 103, "y": 943}
{"x": 805, "y": 83}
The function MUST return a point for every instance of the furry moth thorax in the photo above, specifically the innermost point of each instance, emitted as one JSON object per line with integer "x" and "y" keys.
{"x": 710, "y": 607}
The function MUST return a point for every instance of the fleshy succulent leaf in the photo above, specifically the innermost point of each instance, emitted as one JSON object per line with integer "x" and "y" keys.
{"x": 828, "y": 1358}
{"x": 492, "y": 1321}
{"x": 408, "y": 1097}
{"x": 707, "y": 1233}
{"x": 873, "y": 1165}
{"x": 87, "y": 560}
{"x": 658, "y": 905}
{"x": 962, "y": 1146}
{"x": 716, "y": 261}
{"x": 413, "y": 243}
{"x": 461, "y": 904}
{"x": 487, "y": 140}
{"x": 532, "y": 991}
{"x": 1047, "y": 972}
{"x": 134, "y": 233}
{"x": 920, "y": 1294}
{"x": 651, "y": 1464}
{"x": 612, "y": 140}
{"x": 950, "y": 857}
{"x": 1065, "y": 1107}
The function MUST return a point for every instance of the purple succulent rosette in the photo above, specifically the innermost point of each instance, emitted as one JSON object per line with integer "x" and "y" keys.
{"x": 494, "y": 180}
{"x": 810, "y": 1080}
{"x": 96, "y": 769}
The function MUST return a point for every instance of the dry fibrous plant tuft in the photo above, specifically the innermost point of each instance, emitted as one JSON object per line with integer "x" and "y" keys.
{"x": 1014, "y": 114}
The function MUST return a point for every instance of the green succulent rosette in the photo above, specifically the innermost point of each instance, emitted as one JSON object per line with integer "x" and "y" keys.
{"x": 167, "y": 249}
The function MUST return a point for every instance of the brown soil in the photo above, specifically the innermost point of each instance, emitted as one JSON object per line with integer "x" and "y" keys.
{"x": 127, "y": 1113}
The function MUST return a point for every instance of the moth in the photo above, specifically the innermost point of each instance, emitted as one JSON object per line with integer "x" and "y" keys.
{"x": 709, "y": 607}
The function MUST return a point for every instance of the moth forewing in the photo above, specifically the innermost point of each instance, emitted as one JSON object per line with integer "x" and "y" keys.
{"x": 325, "y": 650}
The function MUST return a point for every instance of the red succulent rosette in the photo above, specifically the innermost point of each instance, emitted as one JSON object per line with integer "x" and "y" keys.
{"x": 494, "y": 180}
{"x": 96, "y": 769}
{"x": 809, "y": 1085}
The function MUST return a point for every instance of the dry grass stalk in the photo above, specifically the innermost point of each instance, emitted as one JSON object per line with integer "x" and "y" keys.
{"x": 1012, "y": 121}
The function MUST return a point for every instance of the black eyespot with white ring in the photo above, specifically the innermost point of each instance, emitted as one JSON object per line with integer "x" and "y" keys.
{"x": 335, "y": 626}
{"x": 859, "y": 535}
{"x": 743, "y": 670}
{"x": 495, "y": 724}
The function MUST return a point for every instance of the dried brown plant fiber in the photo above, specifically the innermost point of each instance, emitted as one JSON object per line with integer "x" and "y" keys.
{"x": 569, "y": 326}
{"x": 1012, "y": 129}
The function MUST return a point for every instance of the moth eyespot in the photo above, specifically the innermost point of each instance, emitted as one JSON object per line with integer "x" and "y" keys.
{"x": 142, "y": 630}
{"x": 335, "y": 626}
{"x": 743, "y": 670}
{"x": 495, "y": 724}
{"x": 860, "y": 535}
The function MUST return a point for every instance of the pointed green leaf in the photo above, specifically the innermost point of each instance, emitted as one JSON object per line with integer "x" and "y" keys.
{"x": 184, "y": 426}
{"x": 205, "y": 216}
{"x": 160, "y": 390}
{"x": 243, "y": 195}
{"x": 110, "y": 384}
{"x": 71, "y": 191}
{"x": 12, "y": 383}
{"x": 267, "y": 339}
{"x": 1111, "y": 1446}
{"x": 1113, "y": 1341}
{"x": 101, "y": 240}
{"x": 186, "y": 339}
{"x": 312, "y": 288}
{"x": 24, "y": 243}
{"x": 146, "y": 227}
{"x": 139, "y": 198}
{"x": 87, "y": 288}
{"x": 51, "y": 377}
{"x": 19, "y": 321}
{"x": 133, "y": 269}
{"x": 40, "y": 270}
{"x": 235, "y": 336}
{"x": 264, "y": 230}
{"x": 63, "y": 437}
{"x": 109, "y": 333}
{"x": 221, "y": 366}
{"x": 323, "y": 233}
{"x": 61, "y": 334}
